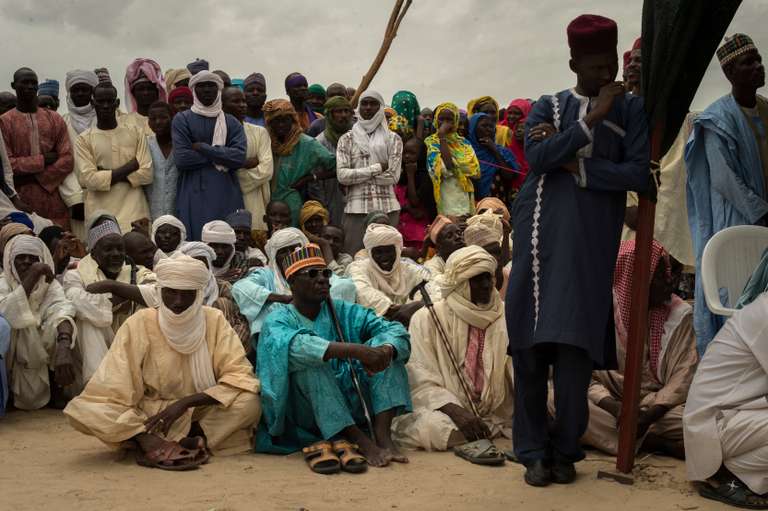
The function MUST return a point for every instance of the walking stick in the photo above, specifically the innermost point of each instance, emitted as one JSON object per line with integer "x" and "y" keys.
{"x": 444, "y": 338}
{"x": 355, "y": 380}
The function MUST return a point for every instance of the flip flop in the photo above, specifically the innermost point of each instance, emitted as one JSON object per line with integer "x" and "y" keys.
{"x": 174, "y": 458}
{"x": 321, "y": 458}
{"x": 349, "y": 456}
{"x": 480, "y": 452}
{"x": 734, "y": 493}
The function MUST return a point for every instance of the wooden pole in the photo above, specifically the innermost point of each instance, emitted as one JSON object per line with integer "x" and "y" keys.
{"x": 395, "y": 18}
{"x": 638, "y": 322}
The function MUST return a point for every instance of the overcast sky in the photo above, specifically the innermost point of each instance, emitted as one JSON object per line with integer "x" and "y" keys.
{"x": 446, "y": 50}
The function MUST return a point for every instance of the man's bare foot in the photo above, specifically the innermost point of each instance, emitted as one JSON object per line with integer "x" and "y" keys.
{"x": 391, "y": 450}
{"x": 376, "y": 456}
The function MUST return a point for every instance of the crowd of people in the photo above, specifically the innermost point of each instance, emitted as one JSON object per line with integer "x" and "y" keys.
{"x": 201, "y": 271}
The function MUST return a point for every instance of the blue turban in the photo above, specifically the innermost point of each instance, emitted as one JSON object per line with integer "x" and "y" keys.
{"x": 49, "y": 88}
{"x": 20, "y": 217}
{"x": 197, "y": 66}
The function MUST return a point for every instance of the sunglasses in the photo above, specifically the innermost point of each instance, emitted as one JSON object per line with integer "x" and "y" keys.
{"x": 313, "y": 273}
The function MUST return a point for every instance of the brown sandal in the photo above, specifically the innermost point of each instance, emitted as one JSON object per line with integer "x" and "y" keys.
{"x": 349, "y": 456}
{"x": 170, "y": 457}
{"x": 321, "y": 459}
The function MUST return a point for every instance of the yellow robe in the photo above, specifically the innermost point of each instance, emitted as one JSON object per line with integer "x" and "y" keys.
{"x": 136, "y": 120}
{"x": 100, "y": 151}
{"x": 255, "y": 182}
{"x": 141, "y": 375}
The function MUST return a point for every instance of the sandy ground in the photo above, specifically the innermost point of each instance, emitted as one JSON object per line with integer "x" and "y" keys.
{"x": 46, "y": 464}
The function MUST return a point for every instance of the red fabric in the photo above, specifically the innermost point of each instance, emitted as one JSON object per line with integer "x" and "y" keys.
{"x": 622, "y": 298}
{"x": 413, "y": 229}
{"x": 473, "y": 361}
{"x": 627, "y": 56}
{"x": 590, "y": 33}
{"x": 182, "y": 91}
{"x": 517, "y": 147}
{"x": 36, "y": 184}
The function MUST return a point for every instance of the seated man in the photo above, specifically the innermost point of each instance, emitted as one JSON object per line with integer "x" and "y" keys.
{"x": 42, "y": 324}
{"x": 446, "y": 238}
{"x": 335, "y": 238}
{"x": 175, "y": 382}
{"x": 242, "y": 222}
{"x": 229, "y": 265}
{"x": 100, "y": 315}
{"x": 139, "y": 249}
{"x": 487, "y": 231}
{"x": 305, "y": 371}
{"x": 168, "y": 233}
{"x": 472, "y": 315}
{"x": 668, "y": 367}
{"x": 383, "y": 282}
{"x": 277, "y": 216}
{"x": 257, "y": 293}
{"x": 725, "y": 422}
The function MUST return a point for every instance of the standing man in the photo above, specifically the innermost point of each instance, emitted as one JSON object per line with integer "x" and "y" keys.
{"x": 208, "y": 146}
{"x": 144, "y": 85}
{"x": 369, "y": 158}
{"x": 339, "y": 114}
{"x": 255, "y": 88}
{"x": 297, "y": 88}
{"x": 727, "y": 160}
{"x": 255, "y": 176}
{"x": 586, "y": 147}
{"x": 39, "y": 151}
{"x": 113, "y": 163}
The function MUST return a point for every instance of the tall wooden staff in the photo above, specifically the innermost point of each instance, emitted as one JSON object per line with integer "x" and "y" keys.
{"x": 398, "y": 12}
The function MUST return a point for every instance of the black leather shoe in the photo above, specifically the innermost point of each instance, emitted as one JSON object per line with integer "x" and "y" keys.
{"x": 563, "y": 473}
{"x": 538, "y": 474}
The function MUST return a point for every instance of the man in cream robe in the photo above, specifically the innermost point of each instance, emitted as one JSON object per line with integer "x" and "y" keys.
{"x": 726, "y": 416}
{"x": 42, "y": 323}
{"x": 669, "y": 361}
{"x": 172, "y": 374}
{"x": 113, "y": 163}
{"x": 446, "y": 237}
{"x": 100, "y": 315}
{"x": 384, "y": 283}
{"x": 442, "y": 416}
{"x": 256, "y": 174}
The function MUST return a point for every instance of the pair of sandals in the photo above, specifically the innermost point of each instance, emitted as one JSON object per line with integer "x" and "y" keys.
{"x": 326, "y": 458}
{"x": 187, "y": 454}
{"x": 480, "y": 452}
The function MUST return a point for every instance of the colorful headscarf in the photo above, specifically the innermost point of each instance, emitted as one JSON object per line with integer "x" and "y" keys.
{"x": 466, "y": 166}
{"x": 622, "y": 299}
{"x": 176, "y": 75}
{"x": 308, "y": 210}
{"x": 276, "y": 108}
{"x": 489, "y": 167}
{"x": 518, "y": 146}
{"x": 479, "y": 101}
{"x": 405, "y": 103}
{"x": 401, "y": 126}
{"x": 181, "y": 92}
{"x": 332, "y": 130}
{"x": 139, "y": 70}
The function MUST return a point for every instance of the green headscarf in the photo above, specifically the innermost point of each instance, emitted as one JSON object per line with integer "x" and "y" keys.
{"x": 332, "y": 130}
{"x": 405, "y": 103}
{"x": 316, "y": 90}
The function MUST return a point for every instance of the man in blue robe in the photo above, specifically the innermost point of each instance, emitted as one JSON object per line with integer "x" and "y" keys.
{"x": 208, "y": 147}
{"x": 304, "y": 368}
{"x": 586, "y": 147}
{"x": 727, "y": 161}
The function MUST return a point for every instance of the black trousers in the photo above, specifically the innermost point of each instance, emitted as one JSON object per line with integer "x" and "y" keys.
{"x": 535, "y": 437}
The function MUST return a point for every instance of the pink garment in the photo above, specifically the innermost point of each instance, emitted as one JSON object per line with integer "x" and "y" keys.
{"x": 148, "y": 69}
{"x": 516, "y": 146}
{"x": 473, "y": 361}
{"x": 413, "y": 230}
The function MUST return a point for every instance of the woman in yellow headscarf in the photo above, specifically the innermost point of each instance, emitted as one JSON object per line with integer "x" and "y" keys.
{"x": 488, "y": 105}
{"x": 452, "y": 164}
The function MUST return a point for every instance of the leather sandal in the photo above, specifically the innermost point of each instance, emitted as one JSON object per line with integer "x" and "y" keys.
{"x": 349, "y": 456}
{"x": 321, "y": 458}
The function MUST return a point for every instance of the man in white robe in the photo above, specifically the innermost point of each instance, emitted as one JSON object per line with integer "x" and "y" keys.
{"x": 175, "y": 382}
{"x": 472, "y": 315}
{"x": 725, "y": 423}
{"x": 42, "y": 323}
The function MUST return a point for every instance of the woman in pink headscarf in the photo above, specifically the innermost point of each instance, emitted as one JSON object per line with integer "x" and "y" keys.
{"x": 144, "y": 84}
{"x": 516, "y": 114}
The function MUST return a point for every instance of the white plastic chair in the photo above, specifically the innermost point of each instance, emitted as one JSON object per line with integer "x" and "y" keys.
{"x": 729, "y": 259}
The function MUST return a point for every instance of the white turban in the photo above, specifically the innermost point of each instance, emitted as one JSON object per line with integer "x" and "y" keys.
{"x": 392, "y": 282}
{"x": 80, "y": 117}
{"x": 283, "y": 238}
{"x": 372, "y": 135}
{"x": 218, "y": 231}
{"x": 484, "y": 229}
{"x": 185, "y": 332}
{"x": 214, "y": 110}
{"x": 461, "y": 266}
{"x": 199, "y": 249}
{"x": 380, "y": 235}
{"x": 169, "y": 220}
